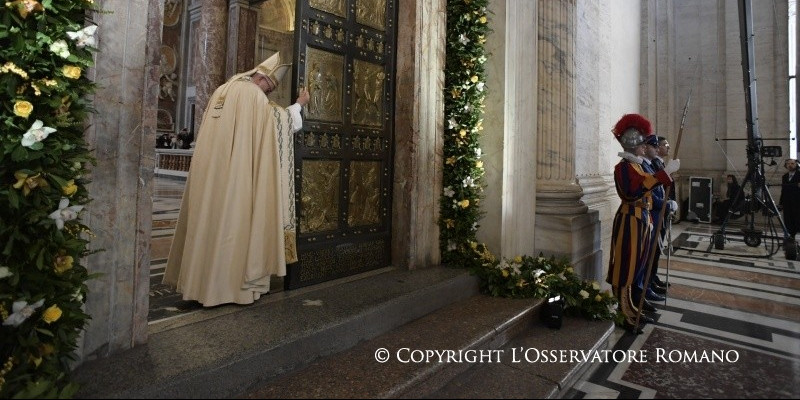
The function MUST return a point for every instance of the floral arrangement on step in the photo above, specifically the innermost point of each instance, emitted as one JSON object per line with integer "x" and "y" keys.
{"x": 46, "y": 49}
{"x": 540, "y": 277}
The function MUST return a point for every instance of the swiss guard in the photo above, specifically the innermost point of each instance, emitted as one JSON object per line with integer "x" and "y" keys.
{"x": 633, "y": 225}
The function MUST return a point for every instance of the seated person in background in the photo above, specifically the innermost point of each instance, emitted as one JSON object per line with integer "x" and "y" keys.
{"x": 732, "y": 203}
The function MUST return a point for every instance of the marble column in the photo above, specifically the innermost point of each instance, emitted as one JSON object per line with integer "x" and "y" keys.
{"x": 419, "y": 119}
{"x": 242, "y": 27}
{"x": 121, "y": 134}
{"x": 519, "y": 168}
{"x": 564, "y": 224}
{"x": 210, "y": 54}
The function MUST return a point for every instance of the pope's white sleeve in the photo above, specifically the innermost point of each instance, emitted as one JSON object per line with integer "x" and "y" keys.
{"x": 297, "y": 119}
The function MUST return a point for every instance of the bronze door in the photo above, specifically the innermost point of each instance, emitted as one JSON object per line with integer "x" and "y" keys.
{"x": 343, "y": 156}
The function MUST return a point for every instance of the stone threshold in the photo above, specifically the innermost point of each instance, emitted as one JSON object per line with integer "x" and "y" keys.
{"x": 220, "y": 351}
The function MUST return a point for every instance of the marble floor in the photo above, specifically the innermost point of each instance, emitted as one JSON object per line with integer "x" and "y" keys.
{"x": 730, "y": 327}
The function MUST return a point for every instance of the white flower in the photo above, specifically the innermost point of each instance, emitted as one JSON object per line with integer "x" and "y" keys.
{"x": 20, "y": 311}
{"x": 77, "y": 296}
{"x": 65, "y": 212}
{"x": 478, "y": 152}
{"x": 5, "y": 272}
{"x": 515, "y": 270}
{"x": 84, "y": 37}
{"x": 595, "y": 285}
{"x": 479, "y": 86}
{"x": 36, "y": 133}
{"x": 482, "y": 59}
{"x": 463, "y": 38}
{"x": 451, "y": 245}
{"x": 61, "y": 48}
{"x": 452, "y": 124}
{"x": 584, "y": 294}
{"x": 468, "y": 182}
{"x": 538, "y": 273}
{"x": 449, "y": 192}
{"x": 468, "y": 108}
{"x": 474, "y": 226}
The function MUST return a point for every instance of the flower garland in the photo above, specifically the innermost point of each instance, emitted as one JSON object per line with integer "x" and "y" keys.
{"x": 463, "y": 181}
{"x": 464, "y": 80}
{"x": 540, "y": 277}
{"x": 45, "y": 49}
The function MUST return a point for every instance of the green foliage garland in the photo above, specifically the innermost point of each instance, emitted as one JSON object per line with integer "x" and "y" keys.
{"x": 46, "y": 49}
{"x": 463, "y": 177}
{"x": 465, "y": 76}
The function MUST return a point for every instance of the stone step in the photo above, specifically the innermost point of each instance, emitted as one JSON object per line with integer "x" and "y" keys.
{"x": 464, "y": 350}
{"x": 532, "y": 366}
{"x": 223, "y": 350}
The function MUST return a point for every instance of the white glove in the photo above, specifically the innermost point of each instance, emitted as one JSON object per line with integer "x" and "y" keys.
{"x": 672, "y": 166}
{"x": 672, "y": 206}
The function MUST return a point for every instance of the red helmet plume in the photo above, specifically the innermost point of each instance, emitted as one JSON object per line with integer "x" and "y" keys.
{"x": 634, "y": 121}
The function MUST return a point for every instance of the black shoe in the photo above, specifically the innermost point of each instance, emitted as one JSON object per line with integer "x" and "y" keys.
{"x": 648, "y": 307}
{"x": 644, "y": 319}
{"x": 658, "y": 289}
{"x": 659, "y": 282}
{"x": 652, "y": 296}
{"x": 629, "y": 327}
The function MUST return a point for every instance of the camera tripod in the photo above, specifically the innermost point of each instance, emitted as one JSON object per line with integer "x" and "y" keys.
{"x": 760, "y": 198}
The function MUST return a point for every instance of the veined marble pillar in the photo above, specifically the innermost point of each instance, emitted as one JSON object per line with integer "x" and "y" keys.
{"x": 419, "y": 120}
{"x": 242, "y": 25}
{"x": 564, "y": 224}
{"x": 518, "y": 222}
{"x": 210, "y": 54}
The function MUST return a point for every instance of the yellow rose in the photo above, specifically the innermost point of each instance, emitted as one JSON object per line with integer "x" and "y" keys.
{"x": 23, "y": 108}
{"x": 479, "y": 164}
{"x": 483, "y": 19}
{"x": 462, "y": 132}
{"x": 45, "y": 349}
{"x": 505, "y": 273}
{"x": 28, "y": 183}
{"x": 598, "y": 298}
{"x": 464, "y": 203}
{"x": 63, "y": 263}
{"x": 70, "y": 189}
{"x": 52, "y": 314}
{"x": 518, "y": 259}
{"x": 474, "y": 78}
{"x": 71, "y": 71}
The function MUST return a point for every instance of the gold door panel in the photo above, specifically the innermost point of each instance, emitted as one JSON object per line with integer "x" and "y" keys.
{"x": 364, "y": 205}
{"x": 324, "y": 78}
{"x": 368, "y": 89}
{"x": 335, "y": 7}
{"x": 319, "y": 198}
{"x": 371, "y": 13}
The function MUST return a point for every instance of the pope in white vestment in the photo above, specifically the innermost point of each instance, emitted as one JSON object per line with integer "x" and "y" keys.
{"x": 233, "y": 223}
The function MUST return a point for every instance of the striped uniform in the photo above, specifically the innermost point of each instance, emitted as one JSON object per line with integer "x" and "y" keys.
{"x": 633, "y": 225}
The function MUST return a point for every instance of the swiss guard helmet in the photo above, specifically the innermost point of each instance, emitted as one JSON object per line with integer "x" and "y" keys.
{"x": 631, "y": 130}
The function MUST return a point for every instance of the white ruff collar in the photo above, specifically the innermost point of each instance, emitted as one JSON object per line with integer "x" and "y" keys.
{"x": 631, "y": 157}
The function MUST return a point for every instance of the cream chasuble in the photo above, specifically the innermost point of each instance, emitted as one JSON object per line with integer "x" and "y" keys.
{"x": 237, "y": 209}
